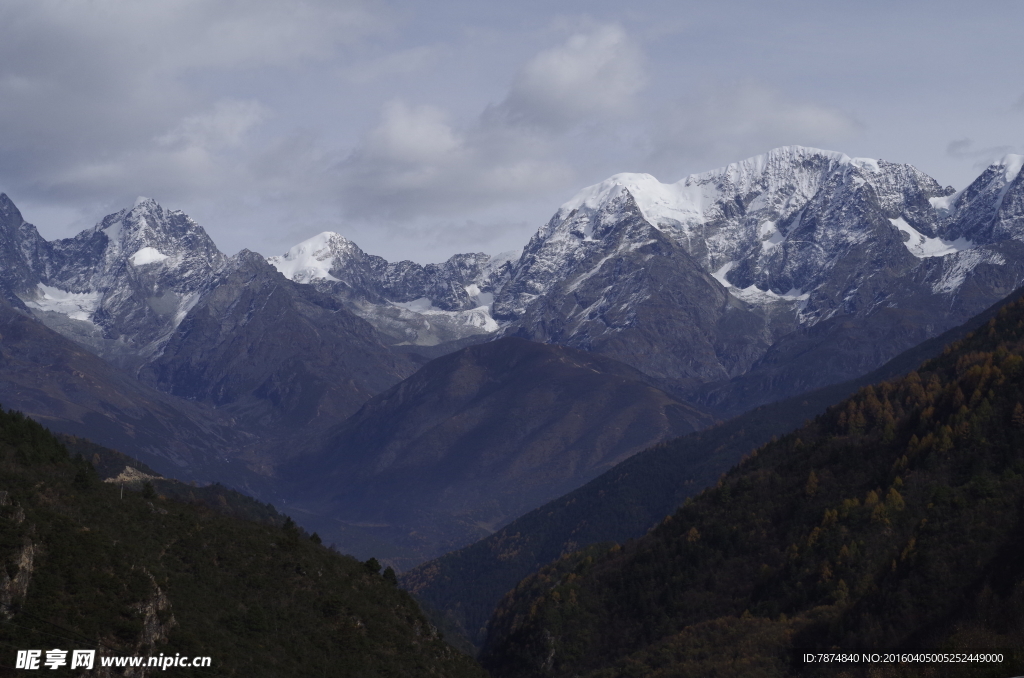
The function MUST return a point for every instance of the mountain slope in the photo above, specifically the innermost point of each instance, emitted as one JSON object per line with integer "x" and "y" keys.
{"x": 87, "y": 565}
{"x": 121, "y": 287}
{"x": 477, "y": 437}
{"x": 57, "y": 381}
{"x": 891, "y": 521}
{"x": 282, "y": 358}
{"x": 782, "y": 261}
{"x": 231, "y": 341}
{"x": 464, "y": 586}
{"x": 613, "y": 284}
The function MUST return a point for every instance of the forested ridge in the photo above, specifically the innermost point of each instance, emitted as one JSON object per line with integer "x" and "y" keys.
{"x": 462, "y": 588}
{"x": 132, "y": 571}
{"x": 893, "y": 520}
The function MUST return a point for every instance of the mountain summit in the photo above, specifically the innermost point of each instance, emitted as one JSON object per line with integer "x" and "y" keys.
{"x": 742, "y": 269}
{"x": 122, "y": 286}
{"x": 729, "y": 289}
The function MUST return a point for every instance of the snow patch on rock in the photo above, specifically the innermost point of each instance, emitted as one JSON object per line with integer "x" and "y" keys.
{"x": 479, "y": 317}
{"x": 148, "y": 255}
{"x": 921, "y": 246}
{"x": 77, "y": 306}
{"x": 756, "y": 296}
{"x": 958, "y": 266}
{"x": 312, "y": 259}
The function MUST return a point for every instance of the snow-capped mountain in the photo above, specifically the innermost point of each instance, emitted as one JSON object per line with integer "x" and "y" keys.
{"x": 411, "y": 304}
{"x": 121, "y": 287}
{"x": 717, "y": 277}
{"x": 147, "y": 290}
{"x": 797, "y": 237}
{"x": 992, "y": 208}
{"x": 771, "y": 228}
{"x": 730, "y": 288}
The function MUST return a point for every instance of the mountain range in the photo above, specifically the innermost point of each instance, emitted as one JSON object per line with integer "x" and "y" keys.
{"x": 128, "y": 564}
{"x": 463, "y": 587}
{"x": 891, "y": 523}
{"x": 480, "y": 436}
{"x": 310, "y": 377}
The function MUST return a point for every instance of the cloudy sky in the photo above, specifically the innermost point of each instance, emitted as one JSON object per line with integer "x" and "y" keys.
{"x": 423, "y": 129}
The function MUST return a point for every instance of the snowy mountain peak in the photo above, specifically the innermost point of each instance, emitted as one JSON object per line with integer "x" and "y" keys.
{"x": 773, "y": 161}
{"x": 314, "y": 258}
{"x": 1011, "y": 164}
{"x": 789, "y": 174}
{"x": 866, "y": 164}
{"x": 771, "y": 229}
{"x": 655, "y": 199}
{"x": 991, "y": 209}
{"x": 122, "y": 286}
{"x": 148, "y": 225}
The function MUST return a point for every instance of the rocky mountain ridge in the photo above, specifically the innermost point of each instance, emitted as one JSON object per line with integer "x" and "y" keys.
{"x": 408, "y": 303}
{"x": 732, "y": 288}
{"x": 478, "y": 437}
{"x": 803, "y": 241}
{"x": 735, "y": 271}
{"x": 741, "y": 258}
{"x": 122, "y": 287}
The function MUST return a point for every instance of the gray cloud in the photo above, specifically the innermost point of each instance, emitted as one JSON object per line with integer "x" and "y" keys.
{"x": 416, "y": 162}
{"x": 410, "y": 126}
{"x": 100, "y": 96}
{"x": 963, "y": 149}
{"x": 593, "y": 74}
{"x": 736, "y": 122}
{"x": 401, "y": 63}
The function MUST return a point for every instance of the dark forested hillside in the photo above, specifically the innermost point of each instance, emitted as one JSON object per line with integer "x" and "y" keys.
{"x": 94, "y": 565}
{"x": 891, "y": 521}
{"x": 464, "y": 586}
{"x": 480, "y": 436}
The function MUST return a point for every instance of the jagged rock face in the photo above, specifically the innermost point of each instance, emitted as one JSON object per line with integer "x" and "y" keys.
{"x": 606, "y": 280}
{"x": 814, "y": 250}
{"x": 13, "y": 591}
{"x": 407, "y": 302}
{"x": 991, "y": 209}
{"x": 21, "y": 250}
{"x": 334, "y": 263}
{"x": 444, "y": 284}
{"x": 276, "y": 355}
{"x": 121, "y": 287}
{"x": 479, "y": 436}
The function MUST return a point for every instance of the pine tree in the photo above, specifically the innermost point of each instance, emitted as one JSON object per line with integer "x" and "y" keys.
{"x": 1017, "y": 418}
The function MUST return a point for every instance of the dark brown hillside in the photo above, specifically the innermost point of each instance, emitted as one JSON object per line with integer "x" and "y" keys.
{"x": 282, "y": 358}
{"x": 87, "y": 565}
{"x": 891, "y": 521}
{"x": 624, "y": 503}
{"x": 482, "y": 435}
{"x": 72, "y": 390}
